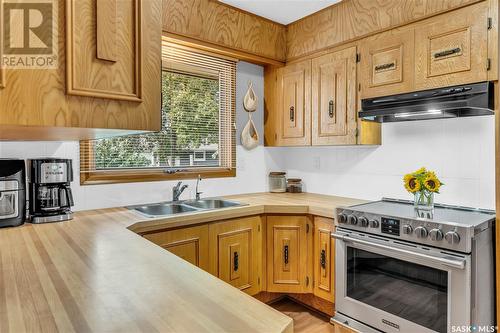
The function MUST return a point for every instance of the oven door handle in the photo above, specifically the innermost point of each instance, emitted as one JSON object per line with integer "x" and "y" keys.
{"x": 460, "y": 264}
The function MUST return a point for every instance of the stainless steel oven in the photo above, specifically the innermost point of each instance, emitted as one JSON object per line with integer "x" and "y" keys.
{"x": 384, "y": 283}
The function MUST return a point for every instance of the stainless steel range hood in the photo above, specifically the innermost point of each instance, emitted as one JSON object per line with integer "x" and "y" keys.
{"x": 458, "y": 101}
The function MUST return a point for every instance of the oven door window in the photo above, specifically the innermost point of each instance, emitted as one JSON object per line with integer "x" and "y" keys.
{"x": 414, "y": 292}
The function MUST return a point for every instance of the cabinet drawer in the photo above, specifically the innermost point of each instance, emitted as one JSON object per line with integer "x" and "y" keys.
{"x": 387, "y": 63}
{"x": 451, "y": 49}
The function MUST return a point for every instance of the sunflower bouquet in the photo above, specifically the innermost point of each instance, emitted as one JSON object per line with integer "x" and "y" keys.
{"x": 423, "y": 184}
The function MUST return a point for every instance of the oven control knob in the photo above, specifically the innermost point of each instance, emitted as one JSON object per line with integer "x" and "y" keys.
{"x": 452, "y": 237}
{"x": 374, "y": 224}
{"x": 407, "y": 229}
{"x": 363, "y": 221}
{"x": 353, "y": 220}
{"x": 342, "y": 218}
{"x": 421, "y": 232}
{"x": 436, "y": 235}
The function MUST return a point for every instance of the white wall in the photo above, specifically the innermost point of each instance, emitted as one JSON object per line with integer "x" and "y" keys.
{"x": 252, "y": 166}
{"x": 461, "y": 151}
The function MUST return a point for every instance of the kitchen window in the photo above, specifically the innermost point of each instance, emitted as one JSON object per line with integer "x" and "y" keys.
{"x": 197, "y": 135}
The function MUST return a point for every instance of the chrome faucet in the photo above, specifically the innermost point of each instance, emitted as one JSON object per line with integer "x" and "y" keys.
{"x": 177, "y": 191}
{"x": 197, "y": 184}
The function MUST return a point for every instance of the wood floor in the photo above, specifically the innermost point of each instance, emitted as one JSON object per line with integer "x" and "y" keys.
{"x": 304, "y": 320}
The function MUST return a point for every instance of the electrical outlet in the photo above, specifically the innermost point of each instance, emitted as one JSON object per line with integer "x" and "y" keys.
{"x": 316, "y": 162}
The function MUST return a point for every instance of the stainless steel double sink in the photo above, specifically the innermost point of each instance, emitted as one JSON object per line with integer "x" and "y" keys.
{"x": 180, "y": 207}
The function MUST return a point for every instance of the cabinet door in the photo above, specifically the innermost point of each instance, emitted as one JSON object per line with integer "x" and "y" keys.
{"x": 323, "y": 256}
{"x": 334, "y": 98}
{"x": 287, "y": 253}
{"x": 387, "y": 63}
{"x": 191, "y": 244}
{"x": 294, "y": 104}
{"x": 104, "y": 47}
{"x": 236, "y": 252}
{"x": 451, "y": 49}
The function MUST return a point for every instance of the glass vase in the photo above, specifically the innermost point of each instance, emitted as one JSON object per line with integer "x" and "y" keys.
{"x": 424, "y": 200}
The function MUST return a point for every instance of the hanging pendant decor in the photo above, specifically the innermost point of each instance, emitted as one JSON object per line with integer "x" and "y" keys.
{"x": 249, "y": 134}
{"x": 250, "y": 100}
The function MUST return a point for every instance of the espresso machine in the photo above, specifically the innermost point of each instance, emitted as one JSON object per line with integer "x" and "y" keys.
{"x": 50, "y": 192}
{"x": 12, "y": 192}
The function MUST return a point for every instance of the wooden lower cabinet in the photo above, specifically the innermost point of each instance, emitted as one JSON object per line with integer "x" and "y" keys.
{"x": 288, "y": 243}
{"x": 277, "y": 254}
{"x": 324, "y": 258}
{"x": 191, "y": 244}
{"x": 236, "y": 252}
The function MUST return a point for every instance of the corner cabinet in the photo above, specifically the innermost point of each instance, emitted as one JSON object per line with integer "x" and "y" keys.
{"x": 236, "y": 252}
{"x": 334, "y": 98}
{"x": 107, "y": 80}
{"x": 288, "y": 243}
{"x": 314, "y": 102}
{"x": 191, "y": 244}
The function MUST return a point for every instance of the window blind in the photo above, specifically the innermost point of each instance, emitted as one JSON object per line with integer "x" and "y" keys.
{"x": 198, "y": 122}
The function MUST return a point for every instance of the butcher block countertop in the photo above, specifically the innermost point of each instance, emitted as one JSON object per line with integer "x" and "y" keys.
{"x": 256, "y": 204}
{"x": 93, "y": 274}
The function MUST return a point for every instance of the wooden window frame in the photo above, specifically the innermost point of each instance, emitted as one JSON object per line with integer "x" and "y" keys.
{"x": 135, "y": 175}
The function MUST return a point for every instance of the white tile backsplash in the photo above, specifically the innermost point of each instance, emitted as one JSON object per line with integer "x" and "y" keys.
{"x": 461, "y": 151}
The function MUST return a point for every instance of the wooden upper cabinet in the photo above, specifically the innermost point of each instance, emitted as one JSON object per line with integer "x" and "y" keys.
{"x": 334, "y": 98}
{"x": 387, "y": 63}
{"x": 236, "y": 252}
{"x": 104, "y": 49}
{"x": 452, "y": 48}
{"x": 324, "y": 258}
{"x": 287, "y": 254}
{"x": 191, "y": 244}
{"x": 106, "y": 81}
{"x": 294, "y": 104}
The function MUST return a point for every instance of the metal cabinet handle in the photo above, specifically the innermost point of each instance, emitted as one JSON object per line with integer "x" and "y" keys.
{"x": 385, "y": 66}
{"x": 235, "y": 261}
{"x": 322, "y": 259}
{"x": 447, "y": 52}
{"x": 292, "y": 113}
{"x": 331, "y": 108}
{"x": 458, "y": 263}
{"x": 285, "y": 254}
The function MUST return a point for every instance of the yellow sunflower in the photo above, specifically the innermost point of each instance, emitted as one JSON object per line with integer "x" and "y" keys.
{"x": 411, "y": 183}
{"x": 432, "y": 183}
{"x": 422, "y": 170}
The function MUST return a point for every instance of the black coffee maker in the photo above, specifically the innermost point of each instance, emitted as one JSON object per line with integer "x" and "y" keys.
{"x": 50, "y": 193}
